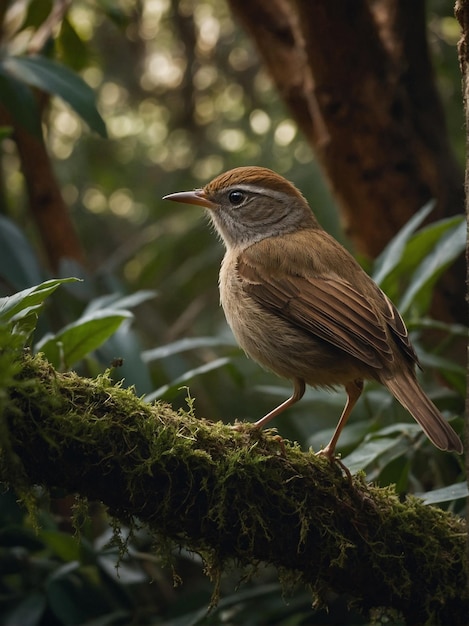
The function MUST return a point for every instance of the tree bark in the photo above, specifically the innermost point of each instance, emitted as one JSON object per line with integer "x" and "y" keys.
{"x": 46, "y": 204}
{"x": 358, "y": 80}
{"x": 462, "y": 13}
{"x": 232, "y": 495}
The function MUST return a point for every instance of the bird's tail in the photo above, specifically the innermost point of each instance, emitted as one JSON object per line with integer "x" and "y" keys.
{"x": 412, "y": 397}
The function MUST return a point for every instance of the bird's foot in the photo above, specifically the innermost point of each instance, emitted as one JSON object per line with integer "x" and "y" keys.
{"x": 332, "y": 458}
{"x": 238, "y": 426}
{"x": 281, "y": 444}
{"x": 268, "y": 434}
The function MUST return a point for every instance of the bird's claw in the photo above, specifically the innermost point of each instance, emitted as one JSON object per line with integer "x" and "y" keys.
{"x": 332, "y": 458}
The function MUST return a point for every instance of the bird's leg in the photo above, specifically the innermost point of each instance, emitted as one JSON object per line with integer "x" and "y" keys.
{"x": 354, "y": 390}
{"x": 298, "y": 392}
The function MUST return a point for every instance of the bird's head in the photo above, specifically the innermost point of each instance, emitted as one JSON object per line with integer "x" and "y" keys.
{"x": 248, "y": 204}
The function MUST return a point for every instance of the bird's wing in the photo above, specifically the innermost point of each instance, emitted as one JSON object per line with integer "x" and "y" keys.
{"x": 327, "y": 307}
{"x": 399, "y": 330}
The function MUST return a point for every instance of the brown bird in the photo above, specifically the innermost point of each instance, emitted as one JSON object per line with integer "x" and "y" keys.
{"x": 300, "y": 305}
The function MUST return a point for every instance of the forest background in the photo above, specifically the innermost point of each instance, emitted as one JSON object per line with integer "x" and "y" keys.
{"x": 183, "y": 93}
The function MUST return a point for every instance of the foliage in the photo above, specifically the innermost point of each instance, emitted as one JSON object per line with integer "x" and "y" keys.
{"x": 50, "y": 77}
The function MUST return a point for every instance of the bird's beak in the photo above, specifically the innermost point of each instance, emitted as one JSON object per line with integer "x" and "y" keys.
{"x": 191, "y": 197}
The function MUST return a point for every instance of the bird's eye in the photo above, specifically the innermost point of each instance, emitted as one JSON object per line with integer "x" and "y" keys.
{"x": 236, "y": 197}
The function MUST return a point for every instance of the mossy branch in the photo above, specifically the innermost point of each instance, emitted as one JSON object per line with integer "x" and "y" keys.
{"x": 232, "y": 495}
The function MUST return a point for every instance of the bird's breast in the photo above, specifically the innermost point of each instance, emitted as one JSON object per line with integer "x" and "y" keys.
{"x": 276, "y": 344}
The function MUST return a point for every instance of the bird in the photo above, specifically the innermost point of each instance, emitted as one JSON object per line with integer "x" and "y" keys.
{"x": 301, "y": 306}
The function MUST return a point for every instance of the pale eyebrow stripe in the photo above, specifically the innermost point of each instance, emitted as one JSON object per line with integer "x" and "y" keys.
{"x": 278, "y": 195}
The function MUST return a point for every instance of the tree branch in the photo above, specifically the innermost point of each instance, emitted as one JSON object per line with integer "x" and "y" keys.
{"x": 242, "y": 495}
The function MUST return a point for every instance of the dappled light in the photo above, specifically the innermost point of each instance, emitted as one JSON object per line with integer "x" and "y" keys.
{"x": 105, "y": 108}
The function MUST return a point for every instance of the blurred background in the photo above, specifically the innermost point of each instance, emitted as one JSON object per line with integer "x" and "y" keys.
{"x": 183, "y": 96}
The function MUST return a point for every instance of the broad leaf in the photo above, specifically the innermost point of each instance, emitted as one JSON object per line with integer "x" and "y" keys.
{"x": 454, "y": 373}
{"x": 74, "y": 52}
{"x": 19, "y": 264}
{"x": 25, "y": 322}
{"x": 54, "y": 78}
{"x": 125, "y": 343}
{"x": 186, "y": 377}
{"x": 29, "y": 610}
{"x": 381, "y": 450}
{"x": 448, "y": 248}
{"x": 392, "y": 253}
{"x": 427, "y": 323}
{"x": 28, "y": 299}
{"x": 182, "y": 345}
{"x": 64, "y": 546}
{"x": 419, "y": 247}
{"x": 73, "y": 595}
{"x": 118, "y": 301}
{"x": 20, "y": 102}
{"x": 445, "y": 494}
{"x": 73, "y": 342}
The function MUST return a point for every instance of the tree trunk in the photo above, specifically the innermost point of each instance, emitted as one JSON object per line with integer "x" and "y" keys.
{"x": 46, "y": 204}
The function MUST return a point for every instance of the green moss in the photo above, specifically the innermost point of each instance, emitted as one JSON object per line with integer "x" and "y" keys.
{"x": 11, "y": 466}
{"x": 239, "y": 496}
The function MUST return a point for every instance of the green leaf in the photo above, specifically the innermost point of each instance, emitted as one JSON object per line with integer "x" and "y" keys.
{"x": 125, "y": 343}
{"x": 25, "y": 322}
{"x": 29, "y": 299}
{"x": 447, "y": 249}
{"x": 392, "y": 253}
{"x": 186, "y": 377}
{"x": 73, "y": 342}
{"x": 19, "y": 264}
{"x": 20, "y": 102}
{"x": 454, "y": 373}
{"x": 429, "y": 359}
{"x": 74, "y": 595}
{"x": 426, "y": 323}
{"x": 54, "y": 78}
{"x": 420, "y": 246}
{"x": 129, "y": 573}
{"x": 117, "y": 301}
{"x": 182, "y": 345}
{"x": 351, "y": 436}
{"x": 381, "y": 449}
{"x": 29, "y": 611}
{"x": 63, "y": 545}
{"x": 445, "y": 494}
{"x": 72, "y": 49}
